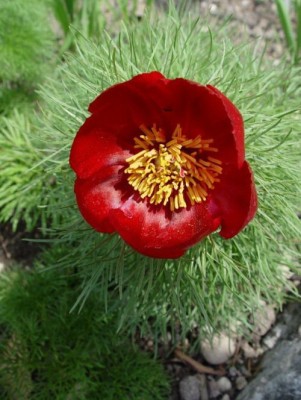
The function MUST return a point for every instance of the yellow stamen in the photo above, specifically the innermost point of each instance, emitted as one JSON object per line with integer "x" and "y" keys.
{"x": 214, "y": 160}
{"x": 175, "y": 172}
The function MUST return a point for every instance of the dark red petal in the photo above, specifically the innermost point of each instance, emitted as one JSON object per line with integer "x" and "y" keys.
{"x": 206, "y": 111}
{"x": 137, "y": 101}
{"x": 235, "y": 198}
{"x": 236, "y": 122}
{"x": 154, "y": 234}
{"x": 94, "y": 148}
{"x": 96, "y": 197}
{"x": 142, "y": 85}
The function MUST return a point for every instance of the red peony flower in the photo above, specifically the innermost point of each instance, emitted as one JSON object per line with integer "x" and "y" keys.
{"x": 162, "y": 162}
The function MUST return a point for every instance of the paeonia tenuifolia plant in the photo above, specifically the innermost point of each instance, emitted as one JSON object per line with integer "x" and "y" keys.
{"x": 162, "y": 162}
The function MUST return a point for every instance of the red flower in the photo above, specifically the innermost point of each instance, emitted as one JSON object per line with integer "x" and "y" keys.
{"x": 162, "y": 162}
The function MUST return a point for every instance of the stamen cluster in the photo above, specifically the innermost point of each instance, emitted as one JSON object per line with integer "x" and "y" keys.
{"x": 177, "y": 172}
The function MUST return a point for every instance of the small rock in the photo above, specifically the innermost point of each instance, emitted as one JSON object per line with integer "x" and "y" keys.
{"x": 264, "y": 23}
{"x": 192, "y": 387}
{"x": 225, "y": 397}
{"x": 284, "y": 269}
{"x": 271, "y": 339}
{"x": 150, "y": 344}
{"x": 219, "y": 350}
{"x": 214, "y": 390}
{"x": 213, "y": 9}
{"x": 245, "y": 3}
{"x": 264, "y": 318}
{"x": 141, "y": 5}
{"x": 241, "y": 382}
{"x": 224, "y": 384}
{"x": 233, "y": 372}
{"x": 185, "y": 344}
{"x": 250, "y": 352}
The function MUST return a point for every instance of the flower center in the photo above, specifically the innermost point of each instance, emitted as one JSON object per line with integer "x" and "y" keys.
{"x": 177, "y": 172}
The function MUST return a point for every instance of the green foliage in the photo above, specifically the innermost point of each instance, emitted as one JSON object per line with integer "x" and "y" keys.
{"x": 86, "y": 16}
{"x": 26, "y": 41}
{"x": 25, "y": 187}
{"x": 218, "y": 282}
{"x": 46, "y": 352}
{"x": 14, "y": 98}
{"x": 293, "y": 39}
{"x": 25, "y": 52}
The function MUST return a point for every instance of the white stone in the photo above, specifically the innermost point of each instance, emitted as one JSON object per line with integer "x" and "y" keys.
{"x": 272, "y": 338}
{"x": 224, "y": 384}
{"x": 249, "y": 351}
{"x": 245, "y": 3}
{"x": 225, "y": 397}
{"x": 213, "y": 9}
{"x": 219, "y": 350}
{"x": 214, "y": 390}
{"x": 264, "y": 318}
{"x": 150, "y": 344}
{"x": 286, "y": 272}
{"x": 141, "y": 5}
{"x": 185, "y": 344}
{"x": 189, "y": 388}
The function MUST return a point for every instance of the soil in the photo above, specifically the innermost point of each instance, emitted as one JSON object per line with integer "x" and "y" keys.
{"x": 18, "y": 246}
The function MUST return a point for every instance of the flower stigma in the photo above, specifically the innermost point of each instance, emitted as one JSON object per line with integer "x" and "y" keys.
{"x": 178, "y": 172}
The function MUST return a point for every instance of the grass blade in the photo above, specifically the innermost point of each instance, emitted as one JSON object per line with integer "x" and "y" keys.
{"x": 298, "y": 40}
{"x": 286, "y": 24}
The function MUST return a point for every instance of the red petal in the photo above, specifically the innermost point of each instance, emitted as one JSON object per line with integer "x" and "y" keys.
{"x": 236, "y": 122}
{"x": 155, "y": 234}
{"x": 236, "y": 198}
{"x": 96, "y": 197}
{"x": 145, "y": 85}
{"x": 94, "y": 148}
{"x": 205, "y": 110}
{"x": 138, "y": 100}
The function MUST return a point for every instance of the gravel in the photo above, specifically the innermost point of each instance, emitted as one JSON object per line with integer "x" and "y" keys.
{"x": 251, "y": 18}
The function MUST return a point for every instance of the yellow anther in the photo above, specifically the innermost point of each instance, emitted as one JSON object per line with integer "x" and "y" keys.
{"x": 214, "y": 160}
{"x": 174, "y": 171}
